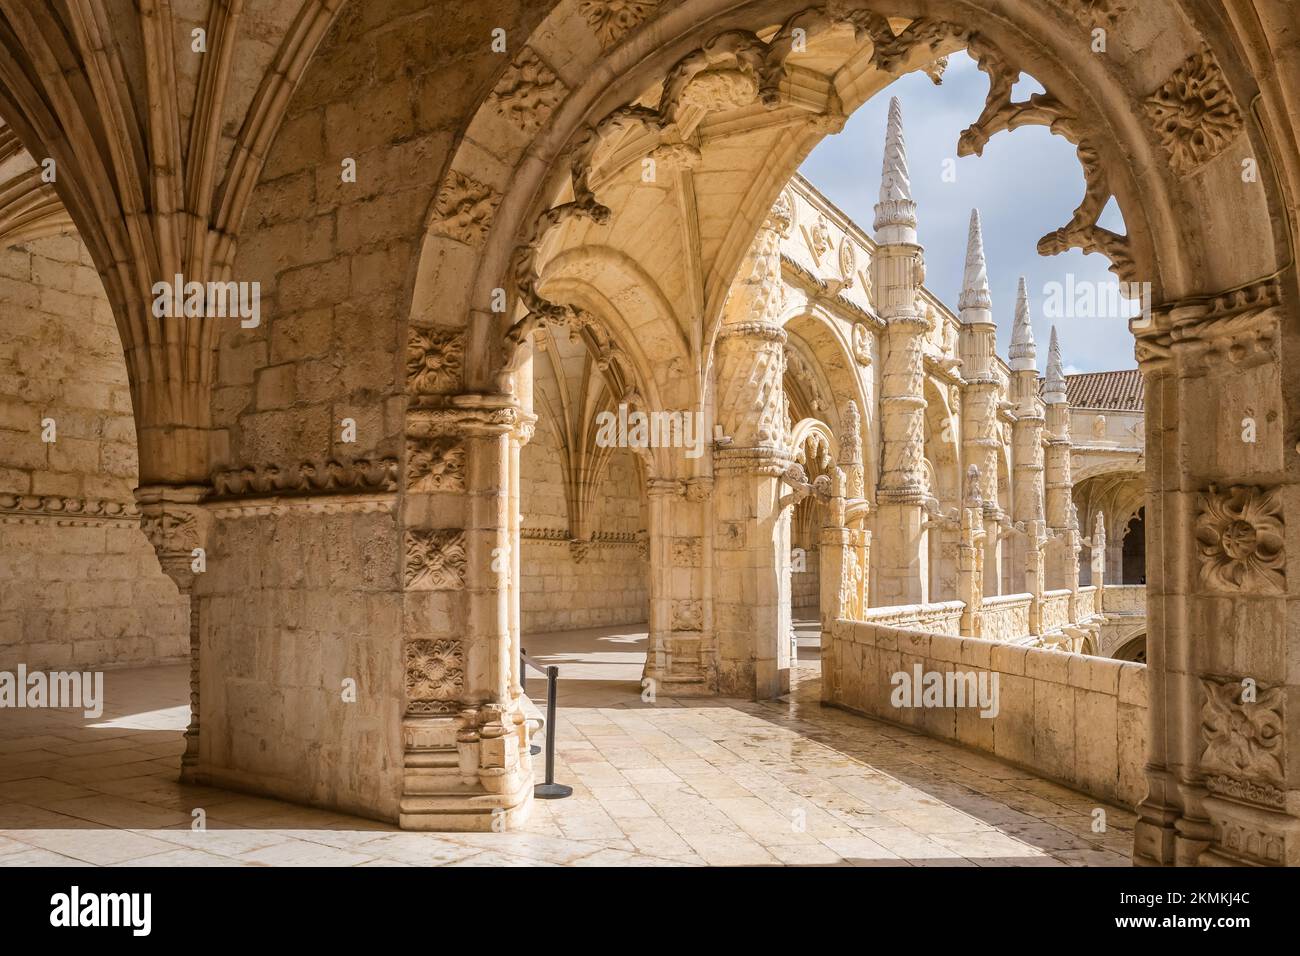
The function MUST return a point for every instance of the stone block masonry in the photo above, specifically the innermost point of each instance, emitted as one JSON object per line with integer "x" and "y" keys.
{"x": 1075, "y": 719}
{"x": 80, "y": 585}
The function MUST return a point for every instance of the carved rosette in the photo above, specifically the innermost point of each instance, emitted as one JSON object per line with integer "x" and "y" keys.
{"x": 612, "y": 20}
{"x": 176, "y": 523}
{"x": 1096, "y": 12}
{"x": 686, "y": 551}
{"x": 463, "y": 209}
{"x": 1240, "y": 540}
{"x": 434, "y": 360}
{"x": 435, "y": 676}
{"x": 1242, "y": 733}
{"x": 528, "y": 92}
{"x": 435, "y": 559}
{"x": 1194, "y": 113}
{"x": 687, "y": 615}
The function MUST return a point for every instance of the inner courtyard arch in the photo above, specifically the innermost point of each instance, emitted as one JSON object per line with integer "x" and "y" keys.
{"x": 654, "y": 152}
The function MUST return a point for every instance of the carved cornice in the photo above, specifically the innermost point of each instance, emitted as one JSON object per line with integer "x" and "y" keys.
{"x": 322, "y": 477}
{"x": 66, "y": 511}
{"x": 273, "y": 505}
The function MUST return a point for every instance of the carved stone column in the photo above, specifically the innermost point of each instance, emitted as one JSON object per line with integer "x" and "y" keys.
{"x": 981, "y": 433}
{"x": 751, "y": 602}
{"x": 970, "y": 557}
{"x": 176, "y": 524}
{"x": 1027, "y": 508}
{"x": 1063, "y": 553}
{"x": 898, "y": 272}
{"x": 682, "y": 660}
{"x": 1221, "y": 658}
{"x": 1097, "y": 548}
{"x": 467, "y": 765}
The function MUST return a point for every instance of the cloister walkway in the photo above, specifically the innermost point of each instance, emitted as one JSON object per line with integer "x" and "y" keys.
{"x": 670, "y": 782}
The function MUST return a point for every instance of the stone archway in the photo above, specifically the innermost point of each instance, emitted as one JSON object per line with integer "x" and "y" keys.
{"x": 1205, "y": 295}
{"x": 430, "y": 288}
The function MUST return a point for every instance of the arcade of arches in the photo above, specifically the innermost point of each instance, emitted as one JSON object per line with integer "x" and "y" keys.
{"x": 553, "y": 337}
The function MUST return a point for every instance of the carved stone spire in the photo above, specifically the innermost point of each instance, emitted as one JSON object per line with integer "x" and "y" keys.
{"x": 975, "y": 303}
{"x": 896, "y": 212}
{"x": 1024, "y": 354}
{"x": 1054, "y": 391}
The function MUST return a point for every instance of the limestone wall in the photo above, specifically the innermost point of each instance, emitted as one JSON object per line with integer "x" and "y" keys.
{"x": 1076, "y": 719}
{"x": 566, "y": 586}
{"x": 79, "y": 583}
{"x": 289, "y": 611}
{"x": 805, "y": 586}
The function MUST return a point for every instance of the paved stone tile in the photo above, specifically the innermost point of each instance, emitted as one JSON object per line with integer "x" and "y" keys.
{"x": 677, "y": 782}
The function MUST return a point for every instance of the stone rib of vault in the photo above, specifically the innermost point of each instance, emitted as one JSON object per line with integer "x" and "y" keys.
{"x": 976, "y": 302}
{"x": 1024, "y": 354}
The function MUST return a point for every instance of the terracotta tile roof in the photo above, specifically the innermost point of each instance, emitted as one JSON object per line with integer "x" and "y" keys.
{"x": 1121, "y": 391}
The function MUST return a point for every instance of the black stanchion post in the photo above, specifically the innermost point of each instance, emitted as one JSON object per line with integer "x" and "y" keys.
{"x": 550, "y": 790}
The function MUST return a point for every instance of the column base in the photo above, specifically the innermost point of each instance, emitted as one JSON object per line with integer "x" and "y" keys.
{"x": 460, "y": 775}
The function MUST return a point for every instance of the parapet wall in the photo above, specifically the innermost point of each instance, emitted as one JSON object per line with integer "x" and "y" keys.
{"x": 1076, "y": 719}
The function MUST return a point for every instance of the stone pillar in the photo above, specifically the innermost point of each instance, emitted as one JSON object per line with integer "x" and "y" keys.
{"x": 898, "y": 270}
{"x": 1035, "y": 573}
{"x": 981, "y": 435}
{"x": 751, "y": 544}
{"x": 970, "y": 557}
{"x": 1222, "y": 658}
{"x": 1063, "y": 553}
{"x": 1097, "y": 547}
{"x": 1027, "y": 509}
{"x": 465, "y": 740}
{"x": 175, "y": 522}
{"x": 682, "y": 660}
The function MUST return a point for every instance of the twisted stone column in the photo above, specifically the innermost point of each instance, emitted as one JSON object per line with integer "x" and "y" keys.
{"x": 898, "y": 271}
{"x": 751, "y": 536}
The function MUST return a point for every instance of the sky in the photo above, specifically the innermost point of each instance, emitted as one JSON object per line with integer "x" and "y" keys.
{"x": 1027, "y": 183}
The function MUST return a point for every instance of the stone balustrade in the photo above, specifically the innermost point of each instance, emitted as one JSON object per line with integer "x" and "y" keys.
{"x": 1056, "y": 610}
{"x": 941, "y": 618}
{"x": 1076, "y": 719}
{"x": 1125, "y": 599}
{"x": 1006, "y": 617}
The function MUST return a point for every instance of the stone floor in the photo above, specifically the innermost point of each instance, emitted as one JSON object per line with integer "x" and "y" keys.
{"x": 665, "y": 783}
